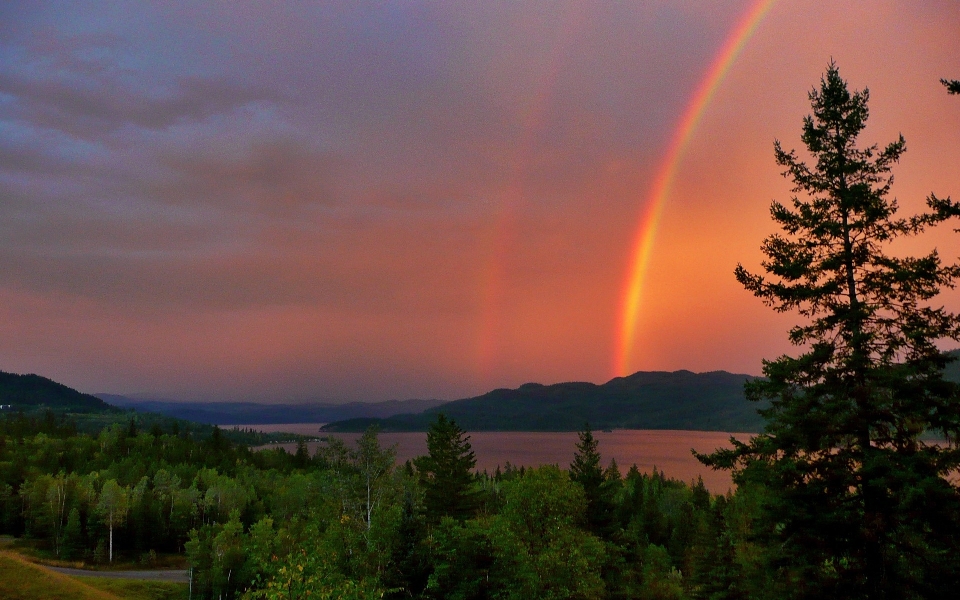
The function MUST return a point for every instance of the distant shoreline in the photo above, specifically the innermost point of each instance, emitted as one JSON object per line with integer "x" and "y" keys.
{"x": 666, "y": 450}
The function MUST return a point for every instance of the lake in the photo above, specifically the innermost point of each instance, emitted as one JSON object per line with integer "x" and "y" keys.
{"x": 668, "y": 451}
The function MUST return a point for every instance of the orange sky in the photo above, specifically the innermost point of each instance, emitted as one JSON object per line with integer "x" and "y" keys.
{"x": 256, "y": 202}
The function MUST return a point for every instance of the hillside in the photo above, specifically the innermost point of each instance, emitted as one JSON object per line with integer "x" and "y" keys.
{"x": 249, "y": 413}
{"x": 645, "y": 400}
{"x": 22, "y": 580}
{"x": 33, "y": 392}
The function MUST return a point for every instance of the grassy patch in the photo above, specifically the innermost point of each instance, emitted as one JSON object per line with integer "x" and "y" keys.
{"x": 36, "y": 553}
{"x": 134, "y": 589}
{"x": 21, "y": 580}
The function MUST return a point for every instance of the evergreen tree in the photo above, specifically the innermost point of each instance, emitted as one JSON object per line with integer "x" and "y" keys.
{"x": 952, "y": 85}
{"x": 72, "y": 536}
{"x": 301, "y": 458}
{"x": 860, "y": 504}
{"x": 586, "y": 470}
{"x": 409, "y": 567}
{"x": 446, "y": 472}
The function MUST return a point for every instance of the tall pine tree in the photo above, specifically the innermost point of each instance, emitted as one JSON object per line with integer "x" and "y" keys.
{"x": 446, "y": 472}
{"x": 862, "y": 504}
{"x": 586, "y": 470}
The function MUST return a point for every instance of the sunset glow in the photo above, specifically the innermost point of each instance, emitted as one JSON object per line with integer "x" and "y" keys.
{"x": 274, "y": 202}
{"x": 660, "y": 191}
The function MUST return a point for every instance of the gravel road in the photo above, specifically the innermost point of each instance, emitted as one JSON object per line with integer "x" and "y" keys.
{"x": 171, "y": 575}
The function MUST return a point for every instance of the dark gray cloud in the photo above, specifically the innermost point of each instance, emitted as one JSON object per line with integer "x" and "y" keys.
{"x": 88, "y": 107}
{"x": 275, "y": 176}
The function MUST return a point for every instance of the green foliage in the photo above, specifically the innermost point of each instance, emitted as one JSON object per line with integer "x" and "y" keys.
{"x": 859, "y": 502}
{"x": 348, "y": 523}
{"x": 538, "y": 540}
{"x": 135, "y": 589}
{"x": 374, "y": 465}
{"x": 220, "y": 564}
{"x": 661, "y": 580}
{"x": 113, "y": 505}
{"x": 463, "y": 562}
{"x": 72, "y": 544}
{"x": 599, "y": 487}
{"x": 312, "y": 573}
{"x": 446, "y": 472}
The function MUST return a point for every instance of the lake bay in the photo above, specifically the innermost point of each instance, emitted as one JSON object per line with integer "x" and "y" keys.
{"x": 666, "y": 450}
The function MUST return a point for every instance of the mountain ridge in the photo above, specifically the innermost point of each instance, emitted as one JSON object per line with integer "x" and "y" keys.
{"x": 254, "y": 413}
{"x": 683, "y": 399}
{"x": 32, "y": 392}
{"x": 711, "y": 401}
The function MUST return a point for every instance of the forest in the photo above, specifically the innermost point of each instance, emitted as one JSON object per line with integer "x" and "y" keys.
{"x": 351, "y": 523}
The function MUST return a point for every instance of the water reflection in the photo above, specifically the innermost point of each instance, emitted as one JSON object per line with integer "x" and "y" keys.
{"x": 668, "y": 451}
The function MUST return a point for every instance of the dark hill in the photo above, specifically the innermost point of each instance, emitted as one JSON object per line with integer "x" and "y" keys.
{"x": 251, "y": 413}
{"x": 32, "y": 392}
{"x": 645, "y": 400}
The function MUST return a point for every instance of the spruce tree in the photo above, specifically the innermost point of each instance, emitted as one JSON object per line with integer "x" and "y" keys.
{"x": 861, "y": 500}
{"x": 586, "y": 470}
{"x": 72, "y": 536}
{"x": 447, "y": 472}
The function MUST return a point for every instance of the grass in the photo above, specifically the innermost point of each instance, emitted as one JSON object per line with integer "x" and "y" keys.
{"x": 34, "y": 552}
{"x": 22, "y": 580}
{"x": 134, "y": 589}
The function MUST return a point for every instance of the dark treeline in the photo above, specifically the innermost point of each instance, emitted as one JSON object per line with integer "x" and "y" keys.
{"x": 352, "y": 523}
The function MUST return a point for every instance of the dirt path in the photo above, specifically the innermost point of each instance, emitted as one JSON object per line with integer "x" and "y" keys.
{"x": 169, "y": 575}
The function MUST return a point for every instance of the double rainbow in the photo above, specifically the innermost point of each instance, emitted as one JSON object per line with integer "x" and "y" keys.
{"x": 663, "y": 184}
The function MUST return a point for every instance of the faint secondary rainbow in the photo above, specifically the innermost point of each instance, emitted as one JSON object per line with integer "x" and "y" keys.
{"x": 663, "y": 184}
{"x": 570, "y": 24}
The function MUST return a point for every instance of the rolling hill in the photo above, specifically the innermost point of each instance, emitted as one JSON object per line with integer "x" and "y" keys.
{"x": 250, "y": 413}
{"x": 645, "y": 400}
{"x": 33, "y": 392}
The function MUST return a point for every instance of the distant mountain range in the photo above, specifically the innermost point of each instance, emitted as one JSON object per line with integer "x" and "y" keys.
{"x": 645, "y": 400}
{"x": 250, "y": 413}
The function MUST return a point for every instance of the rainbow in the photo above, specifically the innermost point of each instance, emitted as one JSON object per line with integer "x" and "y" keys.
{"x": 570, "y": 25}
{"x": 663, "y": 184}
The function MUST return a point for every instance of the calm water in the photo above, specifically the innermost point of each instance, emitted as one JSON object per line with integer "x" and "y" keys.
{"x": 668, "y": 451}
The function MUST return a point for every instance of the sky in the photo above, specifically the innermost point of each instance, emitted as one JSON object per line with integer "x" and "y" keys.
{"x": 275, "y": 201}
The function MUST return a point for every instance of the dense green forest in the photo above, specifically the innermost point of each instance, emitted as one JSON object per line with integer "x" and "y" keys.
{"x": 351, "y": 523}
